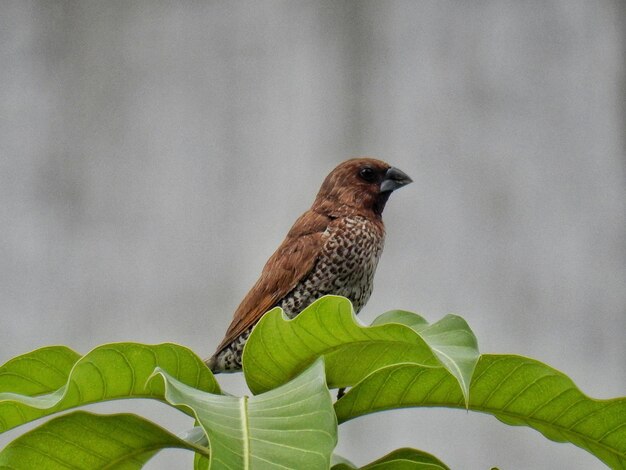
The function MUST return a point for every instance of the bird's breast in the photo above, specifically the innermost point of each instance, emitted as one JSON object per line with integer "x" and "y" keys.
{"x": 346, "y": 265}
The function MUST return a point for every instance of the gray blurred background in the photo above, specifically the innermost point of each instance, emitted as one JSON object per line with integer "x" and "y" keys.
{"x": 154, "y": 154}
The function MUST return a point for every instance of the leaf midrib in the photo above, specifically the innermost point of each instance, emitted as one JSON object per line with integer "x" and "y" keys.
{"x": 245, "y": 427}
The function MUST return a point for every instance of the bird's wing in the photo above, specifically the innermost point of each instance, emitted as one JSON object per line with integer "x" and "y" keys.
{"x": 290, "y": 263}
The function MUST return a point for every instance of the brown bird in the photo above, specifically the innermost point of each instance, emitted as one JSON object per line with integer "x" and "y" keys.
{"x": 333, "y": 248}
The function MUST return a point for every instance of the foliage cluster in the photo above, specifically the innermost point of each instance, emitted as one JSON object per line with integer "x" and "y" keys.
{"x": 290, "y": 419}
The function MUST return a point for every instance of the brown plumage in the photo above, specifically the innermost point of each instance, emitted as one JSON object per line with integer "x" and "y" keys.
{"x": 333, "y": 248}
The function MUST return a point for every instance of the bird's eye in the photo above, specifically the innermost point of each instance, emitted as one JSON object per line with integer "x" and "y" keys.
{"x": 367, "y": 174}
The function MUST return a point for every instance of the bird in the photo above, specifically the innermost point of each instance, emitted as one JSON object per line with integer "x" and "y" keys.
{"x": 333, "y": 248}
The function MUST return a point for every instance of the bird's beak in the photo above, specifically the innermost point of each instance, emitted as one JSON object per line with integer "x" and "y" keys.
{"x": 394, "y": 179}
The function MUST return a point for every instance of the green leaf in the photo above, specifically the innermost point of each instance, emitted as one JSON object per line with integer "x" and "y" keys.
{"x": 401, "y": 459}
{"x": 451, "y": 339}
{"x": 292, "y": 426}
{"x": 53, "y": 379}
{"x": 41, "y": 371}
{"x": 516, "y": 390}
{"x": 82, "y": 440}
{"x": 279, "y": 348}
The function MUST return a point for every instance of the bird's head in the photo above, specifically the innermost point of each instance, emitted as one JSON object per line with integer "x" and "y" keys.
{"x": 361, "y": 184}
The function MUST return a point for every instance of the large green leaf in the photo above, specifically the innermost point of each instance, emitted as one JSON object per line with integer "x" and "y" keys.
{"x": 279, "y": 348}
{"x": 401, "y": 459}
{"x": 82, "y": 440}
{"x": 53, "y": 379}
{"x": 451, "y": 339}
{"x": 517, "y": 390}
{"x": 292, "y": 426}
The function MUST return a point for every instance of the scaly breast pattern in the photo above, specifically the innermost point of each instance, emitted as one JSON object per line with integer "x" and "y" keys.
{"x": 346, "y": 266}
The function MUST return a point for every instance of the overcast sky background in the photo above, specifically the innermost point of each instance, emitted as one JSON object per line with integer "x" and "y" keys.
{"x": 154, "y": 154}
